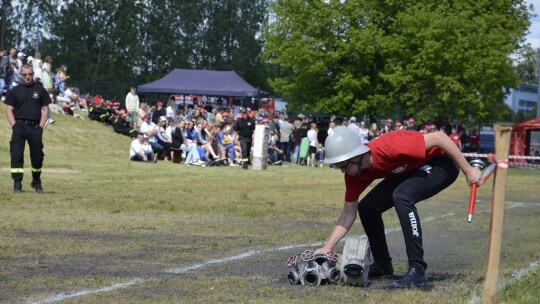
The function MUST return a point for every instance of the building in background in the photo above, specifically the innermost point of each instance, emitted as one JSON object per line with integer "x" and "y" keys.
{"x": 525, "y": 98}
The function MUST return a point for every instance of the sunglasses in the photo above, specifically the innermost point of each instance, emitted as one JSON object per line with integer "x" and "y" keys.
{"x": 344, "y": 165}
{"x": 26, "y": 75}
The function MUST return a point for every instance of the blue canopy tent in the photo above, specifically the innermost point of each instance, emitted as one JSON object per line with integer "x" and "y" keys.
{"x": 200, "y": 82}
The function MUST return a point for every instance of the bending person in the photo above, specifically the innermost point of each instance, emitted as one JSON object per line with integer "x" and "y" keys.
{"x": 415, "y": 167}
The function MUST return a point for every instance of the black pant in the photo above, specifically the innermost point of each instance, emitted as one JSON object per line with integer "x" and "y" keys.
{"x": 245, "y": 144}
{"x": 403, "y": 192}
{"x": 33, "y": 134}
{"x": 166, "y": 148}
{"x": 126, "y": 131}
{"x": 286, "y": 147}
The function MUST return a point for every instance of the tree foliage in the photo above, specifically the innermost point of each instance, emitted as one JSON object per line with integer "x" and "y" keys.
{"x": 425, "y": 58}
{"x": 139, "y": 41}
{"x": 526, "y": 65}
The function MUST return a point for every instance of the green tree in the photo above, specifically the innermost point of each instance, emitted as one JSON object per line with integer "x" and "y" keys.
{"x": 139, "y": 41}
{"x": 168, "y": 37}
{"x": 24, "y": 23}
{"x": 97, "y": 46}
{"x": 525, "y": 64}
{"x": 424, "y": 58}
{"x": 229, "y": 38}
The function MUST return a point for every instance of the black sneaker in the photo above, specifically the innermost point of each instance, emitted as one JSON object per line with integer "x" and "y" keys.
{"x": 17, "y": 187}
{"x": 245, "y": 165}
{"x": 412, "y": 278}
{"x": 380, "y": 270}
{"x": 37, "y": 187}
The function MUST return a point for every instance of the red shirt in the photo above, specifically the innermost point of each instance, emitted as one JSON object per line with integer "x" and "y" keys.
{"x": 393, "y": 153}
{"x": 455, "y": 138}
{"x": 474, "y": 139}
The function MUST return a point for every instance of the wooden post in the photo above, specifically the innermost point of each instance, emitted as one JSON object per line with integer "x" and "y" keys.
{"x": 502, "y": 145}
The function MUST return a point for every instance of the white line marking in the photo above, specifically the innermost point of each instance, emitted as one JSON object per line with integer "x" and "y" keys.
{"x": 75, "y": 294}
{"x": 516, "y": 276}
{"x": 180, "y": 270}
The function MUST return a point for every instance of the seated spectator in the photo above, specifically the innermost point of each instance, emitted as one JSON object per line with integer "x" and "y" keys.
{"x": 122, "y": 126}
{"x": 190, "y": 130}
{"x": 237, "y": 146}
{"x": 169, "y": 129}
{"x": 147, "y": 149}
{"x": 179, "y": 141}
{"x": 161, "y": 136}
{"x": 66, "y": 103}
{"x": 109, "y": 113}
{"x": 139, "y": 152}
{"x": 150, "y": 129}
{"x": 206, "y": 146}
{"x": 225, "y": 140}
{"x": 373, "y": 131}
{"x": 213, "y": 138}
{"x": 60, "y": 78}
{"x": 95, "y": 110}
{"x": 140, "y": 114}
{"x": 274, "y": 153}
{"x": 158, "y": 112}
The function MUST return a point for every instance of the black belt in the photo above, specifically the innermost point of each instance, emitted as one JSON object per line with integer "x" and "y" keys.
{"x": 28, "y": 122}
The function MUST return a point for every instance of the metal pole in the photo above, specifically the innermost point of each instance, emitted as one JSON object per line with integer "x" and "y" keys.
{"x": 502, "y": 145}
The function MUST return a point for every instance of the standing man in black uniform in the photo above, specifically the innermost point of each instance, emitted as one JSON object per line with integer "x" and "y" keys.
{"x": 245, "y": 127}
{"x": 27, "y": 112}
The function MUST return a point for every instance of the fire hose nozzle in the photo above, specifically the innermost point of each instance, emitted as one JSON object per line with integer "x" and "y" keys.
{"x": 477, "y": 163}
{"x": 313, "y": 269}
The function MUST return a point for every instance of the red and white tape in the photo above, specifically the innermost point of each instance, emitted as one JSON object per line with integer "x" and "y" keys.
{"x": 509, "y": 156}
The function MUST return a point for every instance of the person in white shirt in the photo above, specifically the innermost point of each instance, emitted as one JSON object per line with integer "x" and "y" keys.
{"x": 331, "y": 128}
{"x": 313, "y": 143}
{"x": 141, "y": 151}
{"x": 170, "y": 109}
{"x": 353, "y": 126}
{"x": 146, "y": 148}
{"x": 132, "y": 105}
{"x": 150, "y": 129}
{"x": 364, "y": 132}
{"x": 73, "y": 94}
{"x": 36, "y": 64}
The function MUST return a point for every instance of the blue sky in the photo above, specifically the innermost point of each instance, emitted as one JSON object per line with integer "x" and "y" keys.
{"x": 534, "y": 36}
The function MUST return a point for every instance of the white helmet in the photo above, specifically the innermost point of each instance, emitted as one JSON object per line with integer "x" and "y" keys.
{"x": 343, "y": 144}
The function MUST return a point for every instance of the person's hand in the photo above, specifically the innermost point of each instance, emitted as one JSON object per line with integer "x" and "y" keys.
{"x": 473, "y": 175}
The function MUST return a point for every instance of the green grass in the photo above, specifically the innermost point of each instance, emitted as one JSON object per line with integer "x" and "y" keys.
{"x": 105, "y": 220}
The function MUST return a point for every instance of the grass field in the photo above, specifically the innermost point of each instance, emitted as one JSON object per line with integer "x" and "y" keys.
{"x": 112, "y": 231}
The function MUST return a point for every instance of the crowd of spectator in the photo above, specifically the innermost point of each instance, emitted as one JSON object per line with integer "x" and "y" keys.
{"x": 196, "y": 135}
{"x": 206, "y": 135}
{"x": 65, "y": 99}
{"x": 466, "y": 142}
